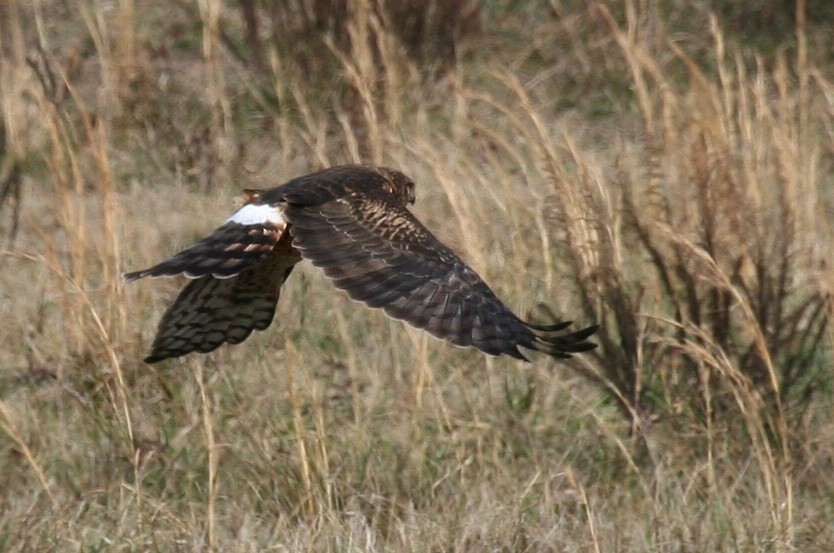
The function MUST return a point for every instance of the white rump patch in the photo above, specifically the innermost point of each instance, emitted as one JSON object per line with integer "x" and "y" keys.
{"x": 257, "y": 214}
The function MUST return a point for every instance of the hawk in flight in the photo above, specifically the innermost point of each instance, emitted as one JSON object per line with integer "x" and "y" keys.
{"x": 353, "y": 223}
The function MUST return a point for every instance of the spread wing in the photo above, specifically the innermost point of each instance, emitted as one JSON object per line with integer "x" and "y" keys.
{"x": 380, "y": 254}
{"x": 239, "y": 243}
{"x": 238, "y": 271}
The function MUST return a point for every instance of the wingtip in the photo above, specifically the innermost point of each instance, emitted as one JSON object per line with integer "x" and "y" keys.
{"x": 155, "y": 358}
{"x": 515, "y": 352}
{"x": 132, "y": 275}
{"x": 552, "y": 327}
{"x": 564, "y": 345}
{"x": 584, "y": 333}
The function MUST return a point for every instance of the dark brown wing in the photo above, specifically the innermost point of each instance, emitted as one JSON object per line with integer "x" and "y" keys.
{"x": 225, "y": 252}
{"x": 238, "y": 271}
{"x": 210, "y": 311}
{"x": 381, "y": 255}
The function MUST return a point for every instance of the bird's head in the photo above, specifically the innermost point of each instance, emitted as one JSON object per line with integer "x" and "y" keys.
{"x": 399, "y": 185}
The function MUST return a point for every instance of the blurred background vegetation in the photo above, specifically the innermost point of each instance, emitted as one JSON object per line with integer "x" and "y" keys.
{"x": 660, "y": 167}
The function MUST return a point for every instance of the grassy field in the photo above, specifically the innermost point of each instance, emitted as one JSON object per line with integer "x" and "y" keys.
{"x": 662, "y": 169}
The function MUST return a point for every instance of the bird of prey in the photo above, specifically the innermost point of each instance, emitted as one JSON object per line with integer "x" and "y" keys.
{"x": 352, "y": 222}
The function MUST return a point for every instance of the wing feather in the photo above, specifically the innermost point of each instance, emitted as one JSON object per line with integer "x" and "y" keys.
{"x": 237, "y": 273}
{"x": 229, "y": 250}
{"x": 211, "y": 311}
{"x": 381, "y": 255}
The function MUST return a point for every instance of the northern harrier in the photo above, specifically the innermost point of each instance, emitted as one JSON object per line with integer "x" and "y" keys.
{"x": 353, "y": 223}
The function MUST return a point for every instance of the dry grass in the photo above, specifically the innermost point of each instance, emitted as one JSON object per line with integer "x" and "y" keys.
{"x": 586, "y": 160}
